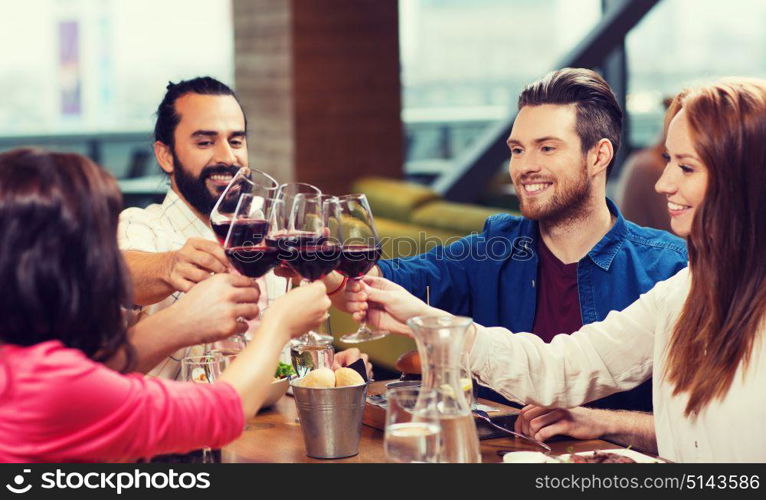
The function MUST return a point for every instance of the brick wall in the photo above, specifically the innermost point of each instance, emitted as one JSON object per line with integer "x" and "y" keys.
{"x": 262, "y": 61}
{"x": 319, "y": 80}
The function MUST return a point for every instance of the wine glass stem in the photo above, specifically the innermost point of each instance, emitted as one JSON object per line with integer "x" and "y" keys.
{"x": 290, "y": 284}
{"x": 363, "y": 322}
{"x": 255, "y": 283}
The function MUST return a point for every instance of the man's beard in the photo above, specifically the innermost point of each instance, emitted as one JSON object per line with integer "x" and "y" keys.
{"x": 194, "y": 190}
{"x": 567, "y": 205}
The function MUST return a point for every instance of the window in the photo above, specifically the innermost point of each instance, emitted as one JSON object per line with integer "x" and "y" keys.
{"x": 686, "y": 42}
{"x": 465, "y": 62}
{"x": 81, "y": 72}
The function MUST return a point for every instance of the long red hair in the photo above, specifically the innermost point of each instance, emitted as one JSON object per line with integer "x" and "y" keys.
{"x": 724, "y": 311}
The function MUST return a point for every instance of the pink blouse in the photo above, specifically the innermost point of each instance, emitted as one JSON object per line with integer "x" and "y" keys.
{"x": 56, "y": 405}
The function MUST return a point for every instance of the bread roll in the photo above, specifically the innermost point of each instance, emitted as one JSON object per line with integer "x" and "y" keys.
{"x": 346, "y": 376}
{"x": 321, "y": 378}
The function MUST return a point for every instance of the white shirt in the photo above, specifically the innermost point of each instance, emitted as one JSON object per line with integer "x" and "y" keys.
{"x": 619, "y": 353}
{"x": 165, "y": 228}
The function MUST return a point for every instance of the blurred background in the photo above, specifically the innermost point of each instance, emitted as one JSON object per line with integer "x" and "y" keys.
{"x": 338, "y": 90}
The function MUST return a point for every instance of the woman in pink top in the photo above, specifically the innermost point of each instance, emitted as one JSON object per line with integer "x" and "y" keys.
{"x": 65, "y": 290}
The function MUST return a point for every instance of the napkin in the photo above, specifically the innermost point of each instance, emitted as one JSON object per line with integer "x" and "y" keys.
{"x": 359, "y": 367}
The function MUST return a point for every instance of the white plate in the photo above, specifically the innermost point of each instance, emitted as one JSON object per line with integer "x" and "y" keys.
{"x": 536, "y": 457}
{"x": 528, "y": 457}
{"x": 635, "y": 455}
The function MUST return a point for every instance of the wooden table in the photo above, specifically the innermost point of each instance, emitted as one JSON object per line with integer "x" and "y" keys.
{"x": 275, "y": 436}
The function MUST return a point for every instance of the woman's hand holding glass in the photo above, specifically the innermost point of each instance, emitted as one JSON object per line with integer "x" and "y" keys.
{"x": 211, "y": 309}
{"x": 385, "y": 304}
{"x": 298, "y": 311}
{"x": 360, "y": 251}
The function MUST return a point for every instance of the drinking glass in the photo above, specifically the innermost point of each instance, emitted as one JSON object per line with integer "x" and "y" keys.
{"x": 263, "y": 184}
{"x": 286, "y": 193}
{"x": 228, "y": 348}
{"x": 306, "y": 244}
{"x": 247, "y": 242}
{"x": 245, "y": 181}
{"x": 307, "y": 357}
{"x": 413, "y": 432}
{"x": 360, "y": 251}
{"x": 203, "y": 370}
{"x": 290, "y": 190}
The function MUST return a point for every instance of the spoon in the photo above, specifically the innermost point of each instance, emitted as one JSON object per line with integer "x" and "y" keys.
{"x": 483, "y": 416}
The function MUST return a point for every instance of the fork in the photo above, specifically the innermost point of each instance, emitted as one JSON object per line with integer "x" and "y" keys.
{"x": 483, "y": 416}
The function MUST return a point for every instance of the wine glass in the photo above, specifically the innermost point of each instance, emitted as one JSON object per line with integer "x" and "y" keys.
{"x": 305, "y": 244}
{"x": 290, "y": 190}
{"x": 228, "y": 348}
{"x": 246, "y": 244}
{"x": 286, "y": 193}
{"x": 203, "y": 370}
{"x": 307, "y": 357}
{"x": 413, "y": 432}
{"x": 263, "y": 184}
{"x": 360, "y": 251}
{"x": 245, "y": 181}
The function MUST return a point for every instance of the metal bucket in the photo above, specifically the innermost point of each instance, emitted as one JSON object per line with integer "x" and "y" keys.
{"x": 331, "y": 419}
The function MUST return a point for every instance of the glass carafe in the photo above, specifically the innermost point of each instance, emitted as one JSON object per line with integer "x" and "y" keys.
{"x": 440, "y": 341}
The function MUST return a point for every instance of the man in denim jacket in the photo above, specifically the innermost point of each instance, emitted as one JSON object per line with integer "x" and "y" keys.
{"x": 570, "y": 259}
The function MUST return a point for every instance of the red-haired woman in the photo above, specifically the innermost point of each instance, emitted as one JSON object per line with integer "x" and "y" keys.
{"x": 700, "y": 334}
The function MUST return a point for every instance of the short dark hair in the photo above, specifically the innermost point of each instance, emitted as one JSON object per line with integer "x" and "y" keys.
{"x": 168, "y": 118}
{"x": 61, "y": 270}
{"x": 598, "y": 114}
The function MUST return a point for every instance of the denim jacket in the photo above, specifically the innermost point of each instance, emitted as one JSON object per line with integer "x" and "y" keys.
{"x": 491, "y": 276}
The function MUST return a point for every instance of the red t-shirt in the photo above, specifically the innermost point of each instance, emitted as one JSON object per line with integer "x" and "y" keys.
{"x": 558, "y": 299}
{"x": 56, "y": 405}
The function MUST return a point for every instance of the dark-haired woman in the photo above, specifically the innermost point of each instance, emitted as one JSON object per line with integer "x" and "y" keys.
{"x": 62, "y": 313}
{"x": 700, "y": 333}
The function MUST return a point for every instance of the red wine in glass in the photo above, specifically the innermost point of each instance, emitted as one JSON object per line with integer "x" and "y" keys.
{"x": 315, "y": 261}
{"x": 288, "y": 243}
{"x": 253, "y": 261}
{"x": 221, "y": 229}
{"x": 357, "y": 260}
{"x": 248, "y": 232}
{"x": 361, "y": 251}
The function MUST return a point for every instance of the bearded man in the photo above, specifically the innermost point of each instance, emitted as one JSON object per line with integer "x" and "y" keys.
{"x": 200, "y": 143}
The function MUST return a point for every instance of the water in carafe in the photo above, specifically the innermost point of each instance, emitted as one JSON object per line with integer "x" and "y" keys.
{"x": 440, "y": 341}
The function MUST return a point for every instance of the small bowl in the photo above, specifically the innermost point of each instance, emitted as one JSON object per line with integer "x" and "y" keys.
{"x": 277, "y": 390}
